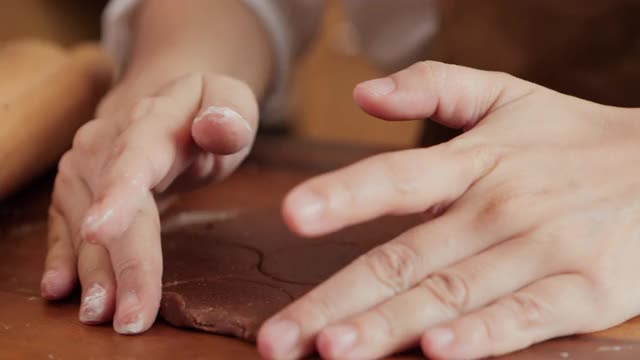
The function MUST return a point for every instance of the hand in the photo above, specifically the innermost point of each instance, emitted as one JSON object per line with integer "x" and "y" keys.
{"x": 104, "y": 223}
{"x": 535, "y": 229}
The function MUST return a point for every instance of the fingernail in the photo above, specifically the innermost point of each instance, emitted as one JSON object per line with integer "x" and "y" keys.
{"x": 47, "y": 287}
{"x": 307, "y": 205}
{"x": 134, "y": 325}
{"x": 380, "y": 87}
{"x": 342, "y": 339}
{"x": 93, "y": 304}
{"x": 132, "y": 322}
{"x": 282, "y": 336}
{"x": 441, "y": 337}
{"x": 221, "y": 114}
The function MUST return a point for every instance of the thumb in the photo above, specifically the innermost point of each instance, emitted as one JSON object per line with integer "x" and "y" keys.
{"x": 224, "y": 130}
{"x": 454, "y": 96}
{"x": 228, "y": 116}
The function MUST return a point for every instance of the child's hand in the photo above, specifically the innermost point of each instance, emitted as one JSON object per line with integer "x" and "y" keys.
{"x": 535, "y": 229}
{"x": 104, "y": 225}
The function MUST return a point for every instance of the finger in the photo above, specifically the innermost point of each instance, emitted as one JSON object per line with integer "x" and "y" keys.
{"x": 137, "y": 264}
{"x": 59, "y": 277}
{"x": 444, "y": 295}
{"x": 206, "y": 168}
{"x": 200, "y": 172}
{"x": 403, "y": 182}
{"x": 378, "y": 275}
{"x": 549, "y": 308}
{"x": 98, "y": 284}
{"x": 92, "y": 144}
{"x": 454, "y": 96}
{"x": 157, "y": 139}
{"x": 382, "y": 273}
{"x": 228, "y": 119}
{"x": 68, "y": 203}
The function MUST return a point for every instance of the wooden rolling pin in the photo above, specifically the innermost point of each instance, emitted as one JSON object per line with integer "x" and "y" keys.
{"x": 46, "y": 94}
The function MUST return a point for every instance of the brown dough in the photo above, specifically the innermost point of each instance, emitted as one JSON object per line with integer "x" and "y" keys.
{"x": 227, "y": 274}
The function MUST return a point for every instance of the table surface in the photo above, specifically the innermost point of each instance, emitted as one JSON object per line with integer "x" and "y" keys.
{"x": 31, "y": 328}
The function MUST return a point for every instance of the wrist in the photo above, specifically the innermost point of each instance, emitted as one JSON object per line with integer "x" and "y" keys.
{"x": 149, "y": 82}
{"x": 223, "y": 37}
{"x": 138, "y": 83}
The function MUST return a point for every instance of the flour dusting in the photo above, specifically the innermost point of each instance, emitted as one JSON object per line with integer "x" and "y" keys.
{"x": 615, "y": 348}
{"x": 191, "y": 218}
{"x": 94, "y": 304}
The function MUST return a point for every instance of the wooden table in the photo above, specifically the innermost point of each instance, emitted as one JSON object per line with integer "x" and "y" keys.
{"x": 31, "y": 328}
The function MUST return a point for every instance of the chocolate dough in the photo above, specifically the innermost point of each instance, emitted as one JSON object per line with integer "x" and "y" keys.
{"x": 227, "y": 274}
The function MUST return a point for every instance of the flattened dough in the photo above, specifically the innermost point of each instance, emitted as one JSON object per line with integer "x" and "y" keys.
{"x": 227, "y": 275}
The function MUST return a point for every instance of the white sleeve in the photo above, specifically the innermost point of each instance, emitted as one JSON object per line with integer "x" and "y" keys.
{"x": 116, "y": 30}
{"x": 289, "y": 24}
{"x": 393, "y": 34}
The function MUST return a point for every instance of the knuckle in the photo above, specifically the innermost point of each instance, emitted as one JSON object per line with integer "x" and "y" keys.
{"x": 482, "y": 157}
{"x": 100, "y": 236}
{"x": 85, "y": 139}
{"x": 130, "y": 268}
{"x": 393, "y": 265}
{"x": 489, "y": 330}
{"x": 486, "y": 157}
{"x": 529, "y": 311}
{"x": 450, "y": 290}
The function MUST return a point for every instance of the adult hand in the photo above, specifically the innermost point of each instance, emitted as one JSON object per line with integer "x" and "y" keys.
{"x": 535, "y": 228}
